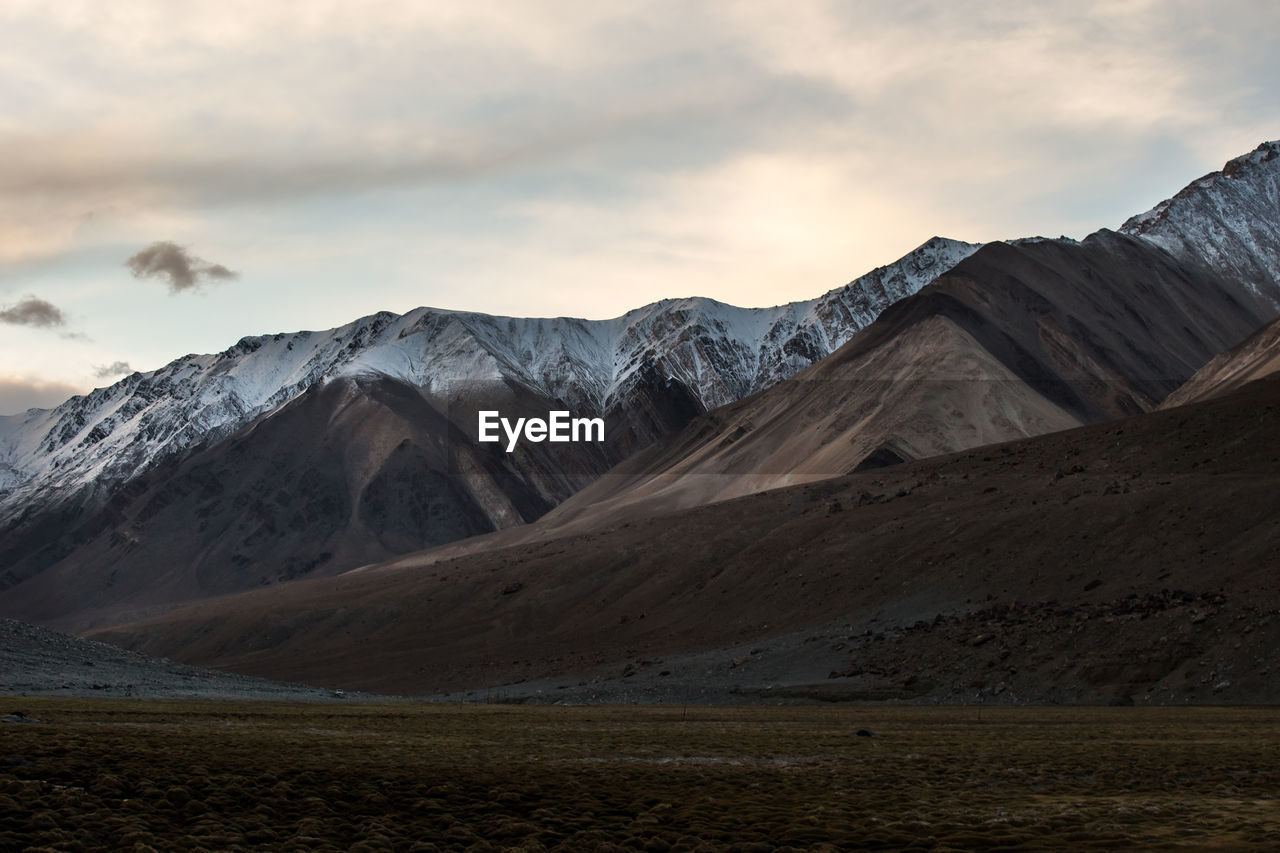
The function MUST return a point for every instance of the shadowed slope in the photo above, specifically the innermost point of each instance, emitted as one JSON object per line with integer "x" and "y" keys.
{"x": 263, "y": 464}
{"x": 356, "y": 470}
{"x": 1018, "y": 339}
{"x": 1255, "y": 358}
{"x": 1182, "y": 499}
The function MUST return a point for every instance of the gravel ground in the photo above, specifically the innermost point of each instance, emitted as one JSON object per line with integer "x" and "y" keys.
{"x": 38, "y": 662}
{"x": 790, "y": 669}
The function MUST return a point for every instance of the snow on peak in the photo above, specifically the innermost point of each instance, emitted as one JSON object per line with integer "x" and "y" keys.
{"x": 1227, "y": 219}
{"x": 720, "y": 352}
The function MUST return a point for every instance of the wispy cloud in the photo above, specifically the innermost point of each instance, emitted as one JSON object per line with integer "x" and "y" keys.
{"x": 108, "y": 371}
{"x": 469, "y": 90}
{"x": 31, "y": 311}
{"x": 173, "y": 264}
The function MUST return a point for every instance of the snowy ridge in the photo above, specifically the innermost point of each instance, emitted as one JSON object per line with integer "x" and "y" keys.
{"x": 1227, "y": 219}
{"x": 720, "y": 352}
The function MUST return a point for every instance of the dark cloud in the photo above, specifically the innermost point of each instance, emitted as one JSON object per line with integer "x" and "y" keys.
{"x": 18, "y": 395}
{"x": 173, "y": 263}
{"x": 117, "y": 368}
{"x": 33, "y": 312}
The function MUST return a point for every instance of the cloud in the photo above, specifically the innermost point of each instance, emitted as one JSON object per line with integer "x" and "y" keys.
{"x": 182, "y": 270}
{"x": 465, "y": 90}
{"x": 17, "y": 394}
{"x": 755, "y": 151}
{"x": 33, "y": 312}
{"x": 107, "y": 371}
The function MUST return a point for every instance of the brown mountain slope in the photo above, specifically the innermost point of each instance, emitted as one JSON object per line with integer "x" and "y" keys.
{"x": 356, "y": 470}
{"x": 1110, "y": 559}
{"x": 1256, "y": 357}
{"x": 1016, "y": 340}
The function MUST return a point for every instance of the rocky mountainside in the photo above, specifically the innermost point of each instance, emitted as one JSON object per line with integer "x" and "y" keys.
{"x": 1018, "y": 339}
{"x": 1127, "y": 560}
{"x": 1226, "y": 219}
{"x": 356, "y": 469}
{"x": 371, "y": 453}
{"x": 177, "y": 484}
{"x": 1256, "y": 357}
{"x": 90, "y": 445}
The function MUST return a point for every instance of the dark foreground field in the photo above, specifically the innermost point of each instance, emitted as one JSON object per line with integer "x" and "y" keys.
{"x": 134, "y": 775}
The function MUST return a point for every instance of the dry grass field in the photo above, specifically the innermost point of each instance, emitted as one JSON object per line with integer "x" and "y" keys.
{"x": 153, "y": 775}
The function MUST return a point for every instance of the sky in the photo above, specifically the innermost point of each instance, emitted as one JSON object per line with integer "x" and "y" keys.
{"x": 174, "y": 178}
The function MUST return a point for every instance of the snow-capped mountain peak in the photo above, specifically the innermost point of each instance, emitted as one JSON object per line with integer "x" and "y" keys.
{"x": 1226, "y": 219}
{"x": 719, "y": 352}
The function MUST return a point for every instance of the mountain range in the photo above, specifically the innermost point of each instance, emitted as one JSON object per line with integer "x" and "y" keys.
{"x": 290, "y": 457}
{"x": 1128, "y": 559}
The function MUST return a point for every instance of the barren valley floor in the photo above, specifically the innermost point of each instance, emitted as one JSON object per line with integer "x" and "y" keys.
{"x": 159, "y": 775}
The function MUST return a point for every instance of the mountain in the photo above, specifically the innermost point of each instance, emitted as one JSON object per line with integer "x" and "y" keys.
{"x": 1226, "y": 219}
{"x": 1018, "y": 339}
{"x": 354, "y": 470}
{"x": 719, "y": 352}
{"x": 314, "y": 453}
{"x": 1256, "y": 357}
{"x": 288, "y": 455}
{"x": 1131, "y": 559}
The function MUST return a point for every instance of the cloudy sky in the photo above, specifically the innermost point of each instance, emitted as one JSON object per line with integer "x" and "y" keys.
{"x": 171, "y": 181}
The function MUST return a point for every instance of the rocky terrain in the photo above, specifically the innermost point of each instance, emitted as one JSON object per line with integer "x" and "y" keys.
{"x": 1226, "y": 219}
{"x": 1166, "y": 648}
{"x": 718, "y": 352}
{"x": 308, "y": 454}
{"x": 40, "y": 662}
{"x": 978, "y": 497}
{"x": 1016, "y": 340}
{"x": 1127, "y": 559}
{"x": 1254, "y": 358}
